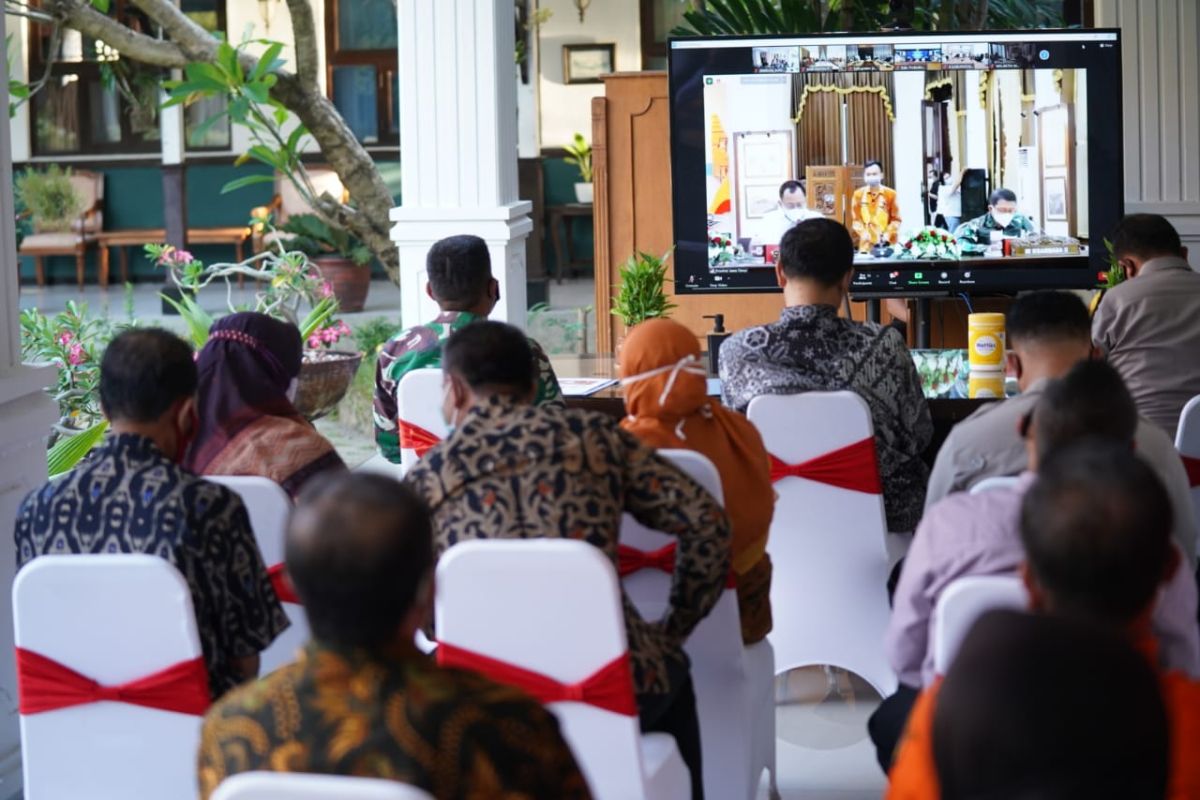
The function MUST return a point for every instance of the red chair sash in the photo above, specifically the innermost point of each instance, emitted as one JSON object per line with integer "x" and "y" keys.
{"x": 414, "y": 437}
{"x": 282, "y": 584}
{"x": 854, "y": 467}
{"x": 631, "y": 560}
{"x": 610, "y": 687}
{"x": 46, "y": 685}
{"x": 1191, "y": 465}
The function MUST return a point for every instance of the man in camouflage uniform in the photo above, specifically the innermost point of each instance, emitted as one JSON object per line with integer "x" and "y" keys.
{"x": 975, "y": 236}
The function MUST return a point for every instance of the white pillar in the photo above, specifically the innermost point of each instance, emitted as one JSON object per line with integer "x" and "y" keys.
{"x": 26, "y": 414}
{"x": 458, "y": 145}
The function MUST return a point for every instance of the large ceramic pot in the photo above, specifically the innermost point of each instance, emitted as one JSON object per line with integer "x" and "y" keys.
{"x": 325, "y": 377}
{"x": 350, "y": 281}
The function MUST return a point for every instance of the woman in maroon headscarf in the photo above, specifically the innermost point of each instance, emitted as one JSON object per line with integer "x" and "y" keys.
{"x": 248, "y": 426}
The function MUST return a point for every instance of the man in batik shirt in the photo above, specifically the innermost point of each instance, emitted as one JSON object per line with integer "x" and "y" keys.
{"x": 131, "y": 496}
{"x": 461, "y": 282}
{"x": 812, "y": 349}
{"x": 515, "y": 470}
{"x": 362, "y": 700}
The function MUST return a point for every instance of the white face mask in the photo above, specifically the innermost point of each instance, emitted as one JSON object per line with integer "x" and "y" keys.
{"x": 1003, "y": 218}
{"x": 791, "y": 214}
{"x": 292, "y": 390}
{"x": 873, "y": 180}
{"x": 451, "y": 422}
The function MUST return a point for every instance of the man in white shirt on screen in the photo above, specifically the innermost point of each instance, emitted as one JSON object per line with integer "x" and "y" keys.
{"x": 792, "y": 208}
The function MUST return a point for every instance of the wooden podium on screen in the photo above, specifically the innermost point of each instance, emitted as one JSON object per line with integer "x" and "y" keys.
{"x": 830, "y": 189}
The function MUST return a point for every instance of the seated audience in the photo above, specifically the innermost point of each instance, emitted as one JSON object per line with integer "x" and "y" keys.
{"x": 1147, "y": 327}
{"x": 130, "y": 495}
{"x": 249, "y": 371}
{"x": 362, "y": 700}
{"x": 1018, "y": 717}
{"x": 811, "y": 348}
{"x": 666, "y": 396}
{"x": 461, "y": 283}
{"x": 1002, "y": 221}
{"x": 1047, "y": 333}
{"x": 1096, "y": 529}
{"x": 511, "y": 469}
{"x": 979, "y": 534}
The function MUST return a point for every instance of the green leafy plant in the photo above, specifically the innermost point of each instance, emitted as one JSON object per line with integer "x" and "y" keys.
{"x": 70, "y": 450}
{"x": 371, "y": 335}
{"x": 49, "y": 197}
{"x": 579, "y": 154}
{"x": 641, "y": 295}
{"x": 1115, "y": 274}
{"x": 315, "y": 238}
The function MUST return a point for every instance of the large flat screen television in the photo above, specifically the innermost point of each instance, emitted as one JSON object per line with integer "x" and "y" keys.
{"x": 1001, "y": 150}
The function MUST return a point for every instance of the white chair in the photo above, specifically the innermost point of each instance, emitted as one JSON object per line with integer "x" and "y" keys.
{"x": 298, "y": 786}
{"x": 829, "y": 591}
{"x": 1187, "y": 442}
{"x": 962, "y": 603}
{"x": 553, "y": 607}
{"x": 734, "y": 684}
{"x": 419, "y": 405}
{"x": 269, "y": 508}
{"x": 378, "y": 465}
{"x": 994, "y": 482}
{"x": 113, "y": 619}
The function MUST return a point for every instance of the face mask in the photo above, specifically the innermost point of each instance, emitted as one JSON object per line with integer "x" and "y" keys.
{"x": 873, "y": 180}
{"x": 791, "y": 214}
{"x": 1002, "y": 218}
{"x": 449, "y": 422}
{"x": 292, "y": 390}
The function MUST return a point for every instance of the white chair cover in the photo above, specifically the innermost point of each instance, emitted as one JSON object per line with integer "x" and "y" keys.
{"x": 298, "y": 786}
{"x": 964, "y": 601}
{"x": 554, "y": 607}
{"x": 419, "y": 402}
{"x": 112, "y": 618}
{"x": 829, "y": 590}
{"x": 994, "y": 482}
{"x": 1187, "y": 442}
{"x": 734, "y": 689}
{"x": 269, "y": 508}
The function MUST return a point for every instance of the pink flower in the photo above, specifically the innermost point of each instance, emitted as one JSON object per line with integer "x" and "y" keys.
{"x": 184, "y": 257}
{"x": 330, "y": 335}
{"x": 343, "y": 328}
{"x": 76, "y": 356}
{"x": 64, "y": 338}
{"x": 314, "y": 341}
{"x": 326, "y": 289}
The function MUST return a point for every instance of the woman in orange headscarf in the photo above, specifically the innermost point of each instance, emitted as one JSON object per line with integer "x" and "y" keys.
{"x": 667, "y": 402}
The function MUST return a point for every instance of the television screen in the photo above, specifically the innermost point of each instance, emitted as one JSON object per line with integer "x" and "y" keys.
{"x": 971, "y": 162}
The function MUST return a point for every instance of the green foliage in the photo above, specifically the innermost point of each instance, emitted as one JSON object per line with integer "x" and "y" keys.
{"x": 70, "y": 450}
{"x": 18, "y": 91}
{"x": 49, "y": 197}
{"x": 198, "y": 320}
{"x": 1115, "y": 273}
{"x": 314, "y": 237}
{"x": 579, "y": 153}
{"x": 641, "y": 295}
{"x": 374, "y": 333}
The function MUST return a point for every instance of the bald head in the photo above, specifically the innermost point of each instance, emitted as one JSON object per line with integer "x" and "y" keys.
{"x": 358, "y": 550}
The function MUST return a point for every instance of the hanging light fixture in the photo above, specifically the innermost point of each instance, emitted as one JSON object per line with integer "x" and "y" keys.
{"x": 582, "y": 7}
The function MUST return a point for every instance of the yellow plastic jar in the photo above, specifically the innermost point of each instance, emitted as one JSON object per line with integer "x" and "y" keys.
{"x": 985, "y": 341}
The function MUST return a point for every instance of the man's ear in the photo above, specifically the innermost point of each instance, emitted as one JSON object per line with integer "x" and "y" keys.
{"x": 185, "y": 414}
{"x": 780, "y": 278}
{"x": 429, "y": 291}
{"x": 1015, "y": 367}
{"x": 1037, "y": 597}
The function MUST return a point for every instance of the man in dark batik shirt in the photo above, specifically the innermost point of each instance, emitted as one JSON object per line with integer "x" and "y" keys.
{"x": 460, "y": 281}
{"x": 812, "y": 349}
{"x": 130, "y": 496}
{"x": 363, "y": 700}
{"x": 515, "y": 470}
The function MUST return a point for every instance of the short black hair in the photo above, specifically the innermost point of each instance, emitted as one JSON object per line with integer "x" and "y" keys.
{"x": 1090, "y": 400}
{"x": 491, "y": 355}
{"x": 790, "y": 186}
{"x": 873, "y": 163}
{"x": 143, "y": 373}
{"x": 817, "y": 249}
{"x": 1017, "y": 715}
{"x": 357, "y": 550}
{"x": 459, "y": 269}
{"x": 1146, "y": 236}
{"x": 1048, "y": 316}
{"x": 1096, "y": 526}
{"x": 1002, "y": 194}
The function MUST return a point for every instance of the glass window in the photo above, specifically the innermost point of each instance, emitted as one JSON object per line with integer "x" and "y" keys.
{"x": 366, "y": 25}
{"x": 56, "y": 116}
{"x": 356, "y": 95}
{"x": 659, "y": 18}
{"x": 360, "y": 43}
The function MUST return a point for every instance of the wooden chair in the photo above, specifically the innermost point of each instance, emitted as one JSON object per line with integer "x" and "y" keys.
{"x": 89, "y": 186}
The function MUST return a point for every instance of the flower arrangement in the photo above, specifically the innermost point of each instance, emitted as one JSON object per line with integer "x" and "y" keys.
{"x": 721, "y": 249}
{"x": 931, "y": 243}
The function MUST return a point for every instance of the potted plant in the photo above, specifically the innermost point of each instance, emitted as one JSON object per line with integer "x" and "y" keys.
{"x": 49, "y": 198}
{"x": 641, "y": 295}
{"x": 341, "y": 258}
{"x": 579, "y": 153}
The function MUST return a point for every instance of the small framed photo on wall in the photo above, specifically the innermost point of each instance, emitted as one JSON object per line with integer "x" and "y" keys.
{"x": 585, "y": 63}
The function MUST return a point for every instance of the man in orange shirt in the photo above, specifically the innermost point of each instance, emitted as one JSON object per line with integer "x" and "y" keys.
{"x": 1096, "y": 529}
{"x": 874, "y": 210}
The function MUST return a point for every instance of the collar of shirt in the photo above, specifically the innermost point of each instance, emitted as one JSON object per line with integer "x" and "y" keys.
{"x": 497, "y": 406}
{"x": 396, "y": 653}
{"x": 446, "y": 317}
{"x": 1163, "y": 264}
{"x": 807, "y": 312}
{"x": 130, "y": 446}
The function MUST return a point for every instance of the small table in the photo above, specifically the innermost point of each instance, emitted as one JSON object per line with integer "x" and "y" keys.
{"x": 564, "y": 259}
{"x": 234, "y": 235}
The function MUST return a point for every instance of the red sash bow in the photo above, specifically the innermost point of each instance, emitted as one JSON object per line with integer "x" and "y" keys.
{"x": 282, "y": 584}
{"x": 414, "y": 437}
{"x": 1191, "y": 465}
{"x": 610, "y": 687}
{"x": 46, "y": 685}
{"x": 852, "y": 467}
{"x": 631, "y": 560}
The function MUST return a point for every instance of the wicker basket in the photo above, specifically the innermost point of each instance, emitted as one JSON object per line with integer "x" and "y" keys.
{"x": 324, "y": 383}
